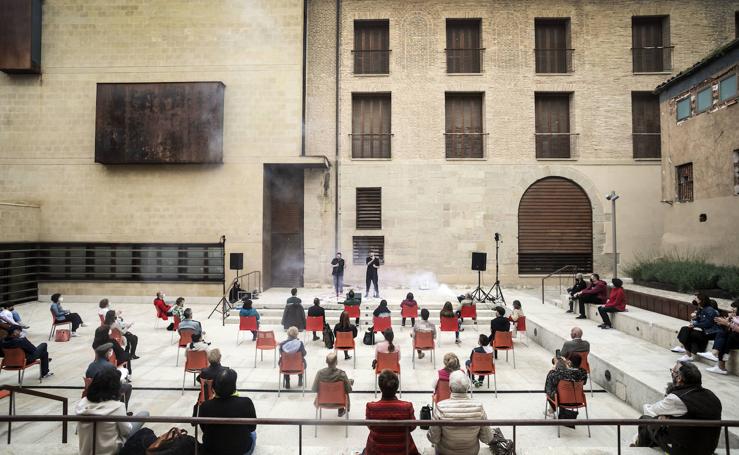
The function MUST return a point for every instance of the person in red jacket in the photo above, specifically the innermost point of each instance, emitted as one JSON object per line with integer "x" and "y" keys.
{"x": 390, "y": 440}
{"x": 596, "y": 293}
{"x": 164, "y": 311}
{"x": 616, "y": 303}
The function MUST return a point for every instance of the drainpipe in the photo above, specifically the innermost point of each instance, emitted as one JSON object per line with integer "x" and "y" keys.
{"x": 305, "y": 59}
{"x": 337, "y": 239}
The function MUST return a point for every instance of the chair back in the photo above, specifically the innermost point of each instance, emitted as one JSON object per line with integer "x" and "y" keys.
{"x": 102, "y": 319}
{"x": 344, "y": 340}
{"x": 247, "y": 323}
{"x": 482, "y": 363}
{"x": 116, "y": 335}
{"x": 206, "y": 391}
{"x": 584, "y": 361}
{"x": 314, "y": 324}
{"x": 352, "y": 311}
{"x": 380, "y": 324}
{"x": 291, "y": 362}
{"x": 423, "y": 340}
{"x": 449, "y": 324}
{"x": 176, "y": 323}
{"x": 409, "y": 311}
{"x": 15, "y": 359}
{"x": 185, "y": 337}
{"x": 521, "y": 323}
{"x": 266, "y": 340}
{"x": 442, "y": 391}
{"x": 503, "y": 340}
{"x": 468, "y": 311}
{"x": 196, "y": 360}
{"x": 331, "y": 394}
{"x": 571, "y": 394}
{"x": 388, "y": 361}
{"x": 87, "y": 381}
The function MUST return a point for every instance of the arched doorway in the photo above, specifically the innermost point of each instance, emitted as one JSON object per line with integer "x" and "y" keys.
{"x": 555, "y": 227}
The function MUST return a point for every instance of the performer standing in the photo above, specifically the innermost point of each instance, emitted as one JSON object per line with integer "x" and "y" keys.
{"x": 338, "y": 274}
{"x": 373, "y": 263}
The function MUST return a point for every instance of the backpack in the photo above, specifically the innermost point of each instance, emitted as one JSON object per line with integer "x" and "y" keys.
{"x": 138, "y": 442}
{"x": 174, "y": 442}
{"x": 369, "y": 337}
{"x": 500, "y": 445}
{"x": 328, "y": 337}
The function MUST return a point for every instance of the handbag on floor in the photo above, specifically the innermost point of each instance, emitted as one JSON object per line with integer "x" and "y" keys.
{"x": 174, "y": 442}
{"x": 500, "y": 445}
{"x": 369, "y": 337}
{"x": 424, "y": 414}
{"x": 138, "y": 442}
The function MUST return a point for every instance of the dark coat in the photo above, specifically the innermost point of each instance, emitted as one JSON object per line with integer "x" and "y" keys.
{"x": 294, "y": 315}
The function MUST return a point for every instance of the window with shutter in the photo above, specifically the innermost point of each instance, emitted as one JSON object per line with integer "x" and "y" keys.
{"x": 371, "y": 125}
{"x": 552, "y": 45}
{"x": 645, "y": 125}
{"x": 552, "y": 112}
{"x": 685, "y": 182}
{"x": 463, "y": 45}
{"x": 371, "y": 47}
{"x": 651, "y": 50}
{"x": 363, "y": 245}
{"x": 464, "y": 135}
{"x": 369, "y": 208}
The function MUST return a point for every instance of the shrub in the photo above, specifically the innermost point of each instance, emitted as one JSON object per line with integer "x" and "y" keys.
{"x": 729, "y": 281}
{"x": 688, "y": 272}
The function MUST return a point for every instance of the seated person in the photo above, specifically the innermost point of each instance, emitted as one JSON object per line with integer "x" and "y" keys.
{"x": 424, "y": 326}
{"x": 294, "y": 313}
{"x": 615, "y": 304}
{"x": 578, "y": 286}
{"x": 102, "y": 336}
{"x": 189, "y": 324}
{"x": 214, "y": 365}
{"x": 484, "y": 348}
{"x": 163, "y": 310}
{"x": 62, "y": 315}
{"x": 292, "y": 345}
{"x": 465, "y": 301}
{"x": 345, "y": 325}
{"x": 246, "y": 311}
{"x": 563, "y": 370}
{"x": 228, "y": 439}
{"x": 114, "y": 320}
{"x": 447, "y": 311}
{"x": 576, "y": 344}
{"x": 726, "y": 340}
{"x": 410, "y": 303}
{"x": 695, "y": 336}
{"x": 13, "y": 339}
{"x": 390, "y": 440}
{"x": 459, "y": 406}
{"x": 515, "y": 315}
{"x": 685, "y": 398}
{"x": 596, "y": 293}
{"x": 387, "y": 345}
{"x": 316, "y": 311}
{"x": 451, "y": 364}
{"x": 333, "y": 374}
{"x": 499, "y": 324}
{"x": 11, "y": 316}
{"x": 102, "y": 400}
{"x": 102, "y": 363}
{"x": 178, "y": 310}
{"x": 197, "y": 344}
{"x": 353, "y": 299}
{"x": 382, "y": 311}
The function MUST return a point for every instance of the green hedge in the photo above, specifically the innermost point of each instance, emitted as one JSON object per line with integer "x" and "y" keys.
{"x": 687, "y": 273}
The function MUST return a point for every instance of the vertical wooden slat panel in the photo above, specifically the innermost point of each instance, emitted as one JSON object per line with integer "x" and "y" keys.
{"x": 463, "y": 45}
{"x": 463, "y": 120}
{"x": 645, "y": 125}
{"x": 371, "y": 125}
{"x": 552, "y": 115}
{"x": 369, "y": 208}
{"x": 371, "y": 47}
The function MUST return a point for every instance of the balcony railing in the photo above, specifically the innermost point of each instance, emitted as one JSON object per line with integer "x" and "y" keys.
{"x": 647, "y": 145}
{"x": 464, "y": 60}
{"x": 555, "y": 145}
{"x": 371, "y": 145}
{"x": 465, "y": 145}
{"x": 371, "y": 61}
{"x": 656, "y": 59}
{"x": 553, "y": 61}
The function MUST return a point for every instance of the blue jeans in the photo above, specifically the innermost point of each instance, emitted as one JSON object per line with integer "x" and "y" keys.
{"x": 339, "y": 284}
{"x": 253, "y": 436}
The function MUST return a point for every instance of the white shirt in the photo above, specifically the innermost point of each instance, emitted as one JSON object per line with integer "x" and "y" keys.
{"x": 7, "y": 316}
{"x": 670, "y": 405}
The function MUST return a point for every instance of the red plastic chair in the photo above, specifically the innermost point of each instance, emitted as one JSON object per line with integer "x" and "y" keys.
{"x": 521, "y": 327}
{"x": 265, "y": 342}
{"x": 55, "y": 324}
{"x": 409, "y": 312}
{"x": 331, "y": 395}
{"x": 503, "y": 341}
{"x": 175, "y": 328}
{"x": 291, "y": 363}
{"x": 449, "y": 324}
{"x": 246, "y": 324}
{"x": 15, "y": 360}
{"x": 388, "y": 361}
{"x": 206, "y": 391}
{"x": 585, "y": 365}
{"x": 570, "y": 395}
{"x": 483, "y": 364}
{"x": 424, "y": 341}
{"x": 469, "y": 312}
{"x": 102, "y": 319}
{"x": 442, "y": 391}
{"x": 185, "y": 339}
{"x": 345, "y": 342}
{"x": 352, "y": 311}
{"x": 381, "y": 324}
{"x": 195, "y": 361}
{"x": 117, "y": 336}
{"x": 161, "y": 315}
{"x": 313, "y": 324}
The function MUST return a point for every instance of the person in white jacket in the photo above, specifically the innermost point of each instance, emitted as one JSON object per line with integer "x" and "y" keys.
{"x": 459, "y": 440}
{"x": 103, "y": 400}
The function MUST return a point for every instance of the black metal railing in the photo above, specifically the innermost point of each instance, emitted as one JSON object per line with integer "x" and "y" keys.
{"x": 464, "y": 60}
{"x": 11, "y": 406}
{"x": 655, "y": 59}
{"x": 572, "y": 269}
{"x": 647, "y": 145}
{"x": 465, "y": 145}
{"x": 553, "y": 61}
{"x": 371, "y": 61}
{"x": 371, "y": 145}
{"x": 555, "y": 145}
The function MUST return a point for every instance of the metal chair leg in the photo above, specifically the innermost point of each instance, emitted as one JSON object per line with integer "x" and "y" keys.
{"x": 587, "y": 417}
{"x": 346, "y": 427}
{"x": 495, "y": 384}
{"x": 315, "y": 427}
{"x": 184, "y": 376}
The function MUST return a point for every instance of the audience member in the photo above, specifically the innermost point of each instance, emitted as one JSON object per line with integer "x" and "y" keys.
{"x": 499, "y": 324}
{"x": 726, "y": 340}
{"x": 102, "y": 336}
{"x": 188, "y": 323}
{"x": 483, "y": 348}
{"x": 345, "y": 325}
{"x": 390, "y": 440}
{"x": 615, "y": 304}
{"x": 387, "y": 345}
{"x": 460, "y": 406}
{"x": 178, "y": 310}
{"x": 451, "y": 364}
{"x": 316, "y": 310}
{"x": 578, "y": 286}
{"x": 515, "y": 315}
{"x": 114, "y": 320}
{"x": 576, "y": 344}
{"x": 246, "y": 311}
{"x": 197, "y": 343}
{"x": 164, "y": 311}
{"x": 289, "y": 346}
{"x": 294, "y": 313}
{"x": 685, "y": 398}
{"x": 466, "y": 301}
{"x": 11, "y": 316}
{"x": 62, "y": 315}
{"x": 424, "y": 326}
{"x": 103, "y": 308}
{"x": 228, "y": 439}
{"x": 353, "y": 299}
{"x": 382, "y": 311}
{"x": 13, "y": 339}
{"x": 214, "y": 365}
{"x": 333, "y": 374}
{"x": 102, "y": 363}
{"x": 596, "y": 293}
{"x": 695, "y": 336}
{"x": 104, "y": 438}
{"x": 409, "y": 303}
{"x": 563, "y": 369}
{"x": 447, "y": 311}
{"x": 337, "y": 274}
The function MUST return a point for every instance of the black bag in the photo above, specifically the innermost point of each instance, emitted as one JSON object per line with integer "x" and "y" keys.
{"x": 500, "y": 445}
{"x": 174, "y": 442}
{"x": 170, "y": 327}
{"x": 328, "y": 337}
{"x": 424, "y": 414}
{"x": 567, "y": 414}
{"x": 369, "y": 337}
{"x": 138, "y": 442}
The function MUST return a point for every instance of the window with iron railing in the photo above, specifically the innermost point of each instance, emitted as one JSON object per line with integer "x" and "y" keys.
{"x": 371, "y": 47}
{"x": 645, "y": 125}
{"x": 464, "y": 137}
{"x": 552, "y": 116}
{"x": 651, "y": 50}
{"x": 552, "y": 51}
{"x": 371, "y": 132}
{"x": 463, "y": 46}
{"x": 684, "y": 182}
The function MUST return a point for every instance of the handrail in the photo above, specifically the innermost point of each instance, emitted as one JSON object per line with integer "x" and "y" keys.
{"x": 561, "y": 269}
{"x": 16, "y": 389}
{"x": 257, "y": 274}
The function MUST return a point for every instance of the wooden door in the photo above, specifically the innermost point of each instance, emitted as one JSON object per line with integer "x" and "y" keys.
{"x": 285, "y": 227}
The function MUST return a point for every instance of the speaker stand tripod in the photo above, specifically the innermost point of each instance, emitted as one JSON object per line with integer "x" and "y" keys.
{"x": 224, "y": 305}
{"x": 495, "y": 294}
{"x": 478, "y": 294}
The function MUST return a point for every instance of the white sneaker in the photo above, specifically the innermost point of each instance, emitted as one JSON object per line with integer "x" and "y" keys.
{"x": 709, "y": 356}
{"x": 678, "y": 349}
{"x": 685, "y": 358}
{"x": 74, "y": 334}
{"x": 717, "y": 370}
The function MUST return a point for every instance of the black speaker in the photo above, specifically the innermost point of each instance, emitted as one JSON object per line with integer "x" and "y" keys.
{"x": 479, "y": 261}
{"x": 236, "y": 261}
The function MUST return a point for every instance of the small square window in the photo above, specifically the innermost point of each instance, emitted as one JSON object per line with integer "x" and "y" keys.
{"x": 704, "y": 100}
{"x": 727, "y": 88}
{"x": 683, "y": 109}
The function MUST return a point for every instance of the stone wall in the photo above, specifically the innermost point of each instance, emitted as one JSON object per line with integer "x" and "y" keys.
{"x": 19, "y": 222}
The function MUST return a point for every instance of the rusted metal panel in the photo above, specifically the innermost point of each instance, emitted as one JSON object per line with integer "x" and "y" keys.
{"x": 159, "y": 123}
{"x": 20, "y": 36}
{"x": 658, "y": 304}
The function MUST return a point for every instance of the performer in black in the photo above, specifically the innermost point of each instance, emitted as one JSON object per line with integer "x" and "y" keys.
{"x": 373, "y": 263}
{"x": 338, "y": 274}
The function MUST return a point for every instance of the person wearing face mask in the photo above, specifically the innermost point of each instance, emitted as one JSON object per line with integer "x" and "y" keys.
{"x": 62, "y": 315}
{"x": 685, "y": 398}
{"x": 596, "y": 293}
{"x": 164, "y": 311}
{"x": 726, "y": 339}
{"x": 373, "y": 264}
